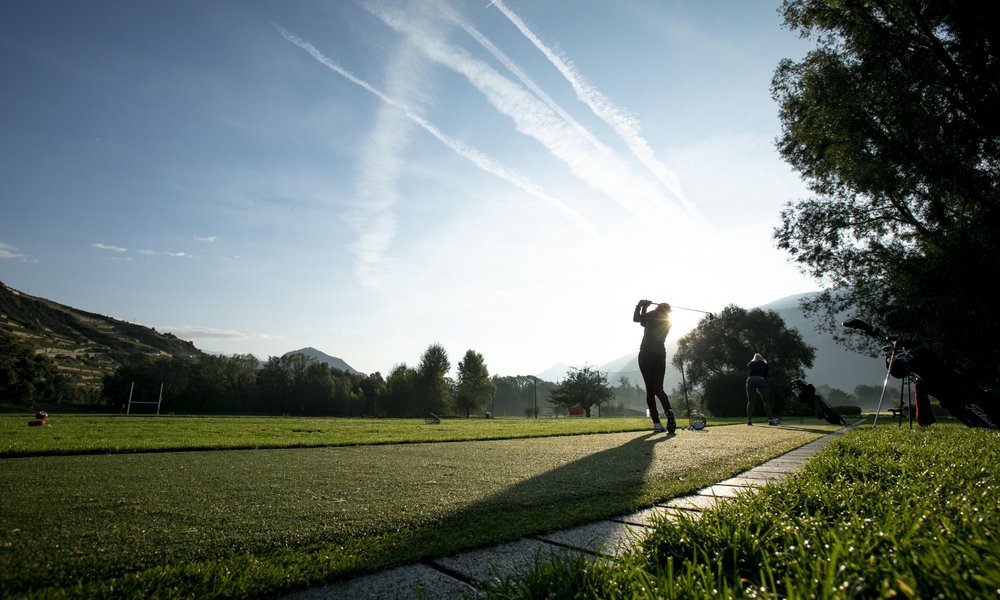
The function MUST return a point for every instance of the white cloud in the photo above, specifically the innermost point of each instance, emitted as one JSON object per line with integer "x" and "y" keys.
{"x": 599, "y": 168}
{"x": 109, "y": 247}
{"x": 198, "y": 331}
{"x": 7, "y": 251}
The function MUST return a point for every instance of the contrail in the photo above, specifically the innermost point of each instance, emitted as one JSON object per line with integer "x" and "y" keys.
{"x": 481, "y": 160}
{"x": 621, "y": 121}
{"x": 604, "y": 171}
{"x": 525, "y": 80}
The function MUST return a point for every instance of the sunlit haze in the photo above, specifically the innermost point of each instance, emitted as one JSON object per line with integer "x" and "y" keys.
{"x": 371, "y": 178}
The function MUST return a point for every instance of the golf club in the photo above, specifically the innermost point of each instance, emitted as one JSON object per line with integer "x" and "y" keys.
{"x": 675, "y": 307}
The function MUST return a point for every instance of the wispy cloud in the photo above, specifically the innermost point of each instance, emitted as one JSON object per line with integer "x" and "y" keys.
{"x": 7, "y": 251}
{"x": 521, "y": 76}
{"x": 143, "y": 251}
{"x": 206, "y": 238}
{"x": 109, "y": 247}
{"x": 601, "y": 170}
{"x": 198, "y": 331}
{"x": 623, "y": 122}
{"x": 481, "y": 160}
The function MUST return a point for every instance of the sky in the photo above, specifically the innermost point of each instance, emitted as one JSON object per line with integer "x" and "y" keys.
{"x": 373, "y": 177}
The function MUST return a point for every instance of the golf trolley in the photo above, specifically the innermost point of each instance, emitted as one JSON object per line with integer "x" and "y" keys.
{"x": 914, "y": 361}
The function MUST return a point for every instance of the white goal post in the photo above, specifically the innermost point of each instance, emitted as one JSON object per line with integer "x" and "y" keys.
{"x": 128, "y": 409}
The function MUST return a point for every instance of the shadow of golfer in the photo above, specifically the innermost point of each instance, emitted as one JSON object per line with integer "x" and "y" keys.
{"x": 597, "y": 486}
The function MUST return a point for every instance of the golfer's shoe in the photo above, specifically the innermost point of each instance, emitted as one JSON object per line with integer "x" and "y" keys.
{"x": 774, "y": 421}
{"x": 671, "y": 422}
{"x": 658, "y": 428}
{"x": 749, "y": 422}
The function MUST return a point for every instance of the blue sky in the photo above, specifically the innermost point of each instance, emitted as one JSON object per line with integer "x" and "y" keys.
{"x": 370, "y": 178}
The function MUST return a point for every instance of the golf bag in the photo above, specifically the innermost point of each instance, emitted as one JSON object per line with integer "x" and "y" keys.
{"x": 807, "y": 396}
{"x": 970, "y": 404}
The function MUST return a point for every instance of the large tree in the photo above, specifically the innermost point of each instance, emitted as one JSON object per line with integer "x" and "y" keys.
{"x": 584, "y": 387}
{"x": 715, "y": 353}
{"x": 893, "y": 123}
{"x": 474, "y": 388}
{"x": 432, "y": 393}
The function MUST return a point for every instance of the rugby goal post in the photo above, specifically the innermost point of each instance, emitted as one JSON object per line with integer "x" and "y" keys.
{"x": 128, "y": 409}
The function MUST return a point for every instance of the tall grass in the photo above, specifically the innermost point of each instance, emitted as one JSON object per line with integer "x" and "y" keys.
{"x": 883, "y": 512}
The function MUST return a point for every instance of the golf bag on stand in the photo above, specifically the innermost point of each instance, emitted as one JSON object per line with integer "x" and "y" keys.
{"x": 932, "y": 376}
{"x": 807, "y": 396}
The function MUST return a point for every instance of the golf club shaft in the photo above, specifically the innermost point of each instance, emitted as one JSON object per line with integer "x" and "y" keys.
{"x": 674, "y": 306}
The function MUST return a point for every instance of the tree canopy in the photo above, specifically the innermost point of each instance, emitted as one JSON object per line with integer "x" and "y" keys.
{"x": 582, "y": 387}
{"x": 893, "y": 123}
{"x": 474, "y": 388}
{"x": 715, "y": 353}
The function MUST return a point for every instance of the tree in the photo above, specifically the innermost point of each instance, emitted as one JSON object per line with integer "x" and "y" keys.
{"x": 892, "y": 122}
{"x": 716, "y": 351}
{"x": 474, "y": 387}
{"x": 432, "y": 394}
{"x": 400, "y": 386}
{"x": 584, "y": 387}
{"x": 520, "y": 394}
{"x": 26, "y": 376}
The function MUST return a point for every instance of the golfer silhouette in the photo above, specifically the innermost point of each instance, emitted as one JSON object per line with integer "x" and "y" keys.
{"x": 653, "y": 359}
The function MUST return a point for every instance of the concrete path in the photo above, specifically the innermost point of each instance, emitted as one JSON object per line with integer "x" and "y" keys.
{"x": 463, "y": 575}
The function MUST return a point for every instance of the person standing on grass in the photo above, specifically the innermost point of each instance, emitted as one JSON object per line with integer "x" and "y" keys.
{"x": 653, "y": 359}
{"x": 757, "y": 386}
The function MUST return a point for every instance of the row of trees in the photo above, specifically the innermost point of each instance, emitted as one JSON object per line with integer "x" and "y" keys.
{"x": 713, "y": 356}
{"x": 296, "y": 384}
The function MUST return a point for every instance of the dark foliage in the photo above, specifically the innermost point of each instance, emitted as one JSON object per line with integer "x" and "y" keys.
{"x": 892, "y": 120}
{"x": 716, "y": 352}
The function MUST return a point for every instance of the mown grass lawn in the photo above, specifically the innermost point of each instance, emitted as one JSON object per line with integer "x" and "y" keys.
{"x": 246, "y": 523}
{"x": 883, "y": 512}
{"x": 90, "y": 434}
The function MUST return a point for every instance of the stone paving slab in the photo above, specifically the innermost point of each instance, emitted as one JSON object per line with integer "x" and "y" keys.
{"x": 649, "y": 516}
{"x": 489, "y": 565}
{"x": 695, "y": 502}
{"x": 743, "y": 482}
{"x": 724, "y": 491}
{"x": 608, "y": 538}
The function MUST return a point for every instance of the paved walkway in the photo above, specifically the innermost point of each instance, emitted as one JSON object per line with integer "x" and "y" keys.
{"x": 463, "y": 575}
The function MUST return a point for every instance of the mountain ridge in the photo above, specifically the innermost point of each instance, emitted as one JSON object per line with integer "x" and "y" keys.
{"x": 319, "y": 355}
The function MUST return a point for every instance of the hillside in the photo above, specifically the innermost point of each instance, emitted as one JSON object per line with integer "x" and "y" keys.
{"x": 83, "y": 345}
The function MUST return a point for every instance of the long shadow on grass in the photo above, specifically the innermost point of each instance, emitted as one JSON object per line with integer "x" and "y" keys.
{"x": 603, "y": 484}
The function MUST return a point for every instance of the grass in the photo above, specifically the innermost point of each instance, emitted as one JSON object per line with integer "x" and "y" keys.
{"x": 883, "y": 512}
{"x": 89, "y": 434}
{"x": 249, "y": 523}
{"x": 110, "y": 434}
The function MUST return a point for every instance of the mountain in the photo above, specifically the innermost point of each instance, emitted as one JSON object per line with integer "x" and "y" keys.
{"x": 84, "y": 346}
{"x": 834, "y": 365}
{"x": 332, "y": 361}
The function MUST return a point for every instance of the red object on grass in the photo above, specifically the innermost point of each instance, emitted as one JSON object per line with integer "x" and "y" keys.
{"x": 36, "y": 423}
{"x": 41, "y": 415}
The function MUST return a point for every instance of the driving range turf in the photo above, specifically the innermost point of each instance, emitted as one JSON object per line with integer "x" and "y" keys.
{"x": 144, "y": 514}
